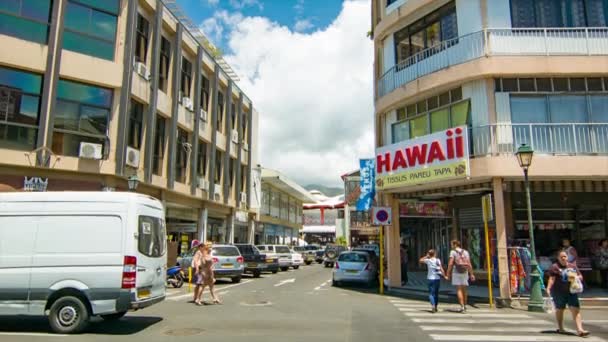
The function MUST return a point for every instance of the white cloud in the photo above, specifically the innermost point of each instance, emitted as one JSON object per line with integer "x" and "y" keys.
{"x": 214, "y": 27}
{"x": 303, "y": 25}
{"x": 240, "y": 4}
{"x": 213, "y": 2}
{"x": 313, "y": 92}
{"x": 299, "y": 7}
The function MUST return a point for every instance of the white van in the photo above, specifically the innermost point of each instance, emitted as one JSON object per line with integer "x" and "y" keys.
{"x": 73, "y": 255}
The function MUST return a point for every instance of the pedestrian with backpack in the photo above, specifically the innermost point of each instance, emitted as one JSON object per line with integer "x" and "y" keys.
{"x": 460, "y": 271}
{"x": 434, "y": 275}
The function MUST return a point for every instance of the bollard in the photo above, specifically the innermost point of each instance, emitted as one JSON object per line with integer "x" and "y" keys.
{"x": 189, "y": 279}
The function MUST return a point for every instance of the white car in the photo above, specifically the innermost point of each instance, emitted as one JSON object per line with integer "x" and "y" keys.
{"x": 281, "y": 252}
{"x": 296, "y": 259}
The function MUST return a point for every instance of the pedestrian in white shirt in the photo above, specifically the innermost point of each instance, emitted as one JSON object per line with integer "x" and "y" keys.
{"x": 434, "y": 275}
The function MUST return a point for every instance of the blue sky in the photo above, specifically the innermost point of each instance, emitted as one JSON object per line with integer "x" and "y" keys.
{"x": 303, "y": 16}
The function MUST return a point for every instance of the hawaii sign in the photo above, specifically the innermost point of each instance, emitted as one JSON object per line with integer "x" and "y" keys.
{"x": 435, "y": 157}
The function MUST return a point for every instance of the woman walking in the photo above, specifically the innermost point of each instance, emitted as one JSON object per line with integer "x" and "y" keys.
{"x": 602, "y": 262}
{"x": 561, "y": 275}
{"x": 205, "y": 270}
{"x": 434, "y": 274}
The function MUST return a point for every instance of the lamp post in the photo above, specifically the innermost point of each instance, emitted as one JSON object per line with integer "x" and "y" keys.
{"x": 133, "y": 182}
{"x": 524, "y": 157}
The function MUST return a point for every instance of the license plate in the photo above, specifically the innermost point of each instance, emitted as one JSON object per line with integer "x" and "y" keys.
{"x": 143, "y": 293}
{"x": 352, "y": 271}
{"x": 252, "y": 264}
{"x": 227, "y": 265}
{"x": 269, "y": 261}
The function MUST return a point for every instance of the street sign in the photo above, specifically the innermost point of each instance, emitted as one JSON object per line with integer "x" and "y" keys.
{"x": 486, "y": 205}
{"x": 381, "y": 216}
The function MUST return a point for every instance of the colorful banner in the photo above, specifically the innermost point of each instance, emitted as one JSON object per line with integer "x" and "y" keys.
{"x": 435, "y": 157}
{"x": 414, "y": 208}
{"x": 367, "y": 184}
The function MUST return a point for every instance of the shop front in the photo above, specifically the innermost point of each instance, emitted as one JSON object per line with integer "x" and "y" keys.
{"x": 217, "y": 231}
{"x": 279, "y": 235}
{"x": 241, "y": 228}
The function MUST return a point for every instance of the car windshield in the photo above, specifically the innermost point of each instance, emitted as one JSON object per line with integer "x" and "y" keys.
{"x": 225, "y": 251}
{"x": 282, "y": 249}
{"x": 299, "y": 249}
{"x": 353, "y": 257}
{"x": 247, "y": 249}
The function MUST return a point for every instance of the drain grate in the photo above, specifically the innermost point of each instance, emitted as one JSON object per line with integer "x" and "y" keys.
{"x": 257, "y": 303}
{"x": 184, "y": 332}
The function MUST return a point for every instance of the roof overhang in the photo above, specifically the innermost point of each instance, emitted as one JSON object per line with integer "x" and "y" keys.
{"x": 279, "y": 181}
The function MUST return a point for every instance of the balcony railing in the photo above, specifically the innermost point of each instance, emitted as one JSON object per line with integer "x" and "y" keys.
{"x": 554, "y": 139}
{"x": 496, "y": 42}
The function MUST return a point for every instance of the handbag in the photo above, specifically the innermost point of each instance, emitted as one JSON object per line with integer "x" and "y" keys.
{"x": 576, "y": 286}
{"x": 548, "y": 305}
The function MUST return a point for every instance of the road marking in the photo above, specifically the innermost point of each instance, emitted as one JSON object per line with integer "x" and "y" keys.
{"x": 473, "y": 329}
{"x": 478, "y": 321}
{"x": 508, "y": 338}
{"x": 595, "y": 321}
{"x": 466, "y": 315}
{"x": 427, "y": 308}
{"x": 31, "y": 334}
{"x": 320, "y": 286}
{"x": 176, "y": 298}
{"x": 286, "y": 281}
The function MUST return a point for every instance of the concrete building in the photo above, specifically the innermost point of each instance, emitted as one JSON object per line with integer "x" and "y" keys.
{"x": 324, "y": 219}
{"x": 280, "y": 219}
{"x": 358, "y": 223}
{"x": 505, "y": 72}
{"x": 93, "y": 92}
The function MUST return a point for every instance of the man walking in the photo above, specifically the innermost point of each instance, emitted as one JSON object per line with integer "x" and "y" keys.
{"x": 404, "y": 261}
{"x": 459, "y": 271}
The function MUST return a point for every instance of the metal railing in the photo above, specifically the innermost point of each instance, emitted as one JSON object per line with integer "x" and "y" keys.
{"x": 554, "y": 138}
{"x": 498, "y": 42}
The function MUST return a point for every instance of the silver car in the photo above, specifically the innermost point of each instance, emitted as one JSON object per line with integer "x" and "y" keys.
{"x": 354, "y": 267}
{"x": 227, "y": 262}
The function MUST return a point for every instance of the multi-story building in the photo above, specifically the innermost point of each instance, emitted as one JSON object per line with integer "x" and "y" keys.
{"x": 95, "y": 91}
{"x": 358, "y": 224}
{"x": 324, "y": 219}
{"x": 280, "y": 219}
{"x": 505, "y": 72}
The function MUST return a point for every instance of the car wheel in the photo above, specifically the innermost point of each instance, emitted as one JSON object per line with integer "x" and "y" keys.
{"x": 275, "y": 271}
{"x": 308, "y": 262}
{"x": 114, "y": 316}
{"x": 296, "y": 267}
{"x": 68, "y": 315}
{"x": 236, "y": 279}
{"x": 256, "y": 274}
{"x": 335, "y": 283}
{"x": 284, "y": 269}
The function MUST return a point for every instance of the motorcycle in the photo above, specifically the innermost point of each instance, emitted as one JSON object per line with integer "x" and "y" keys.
{"x": 175, "y": 277}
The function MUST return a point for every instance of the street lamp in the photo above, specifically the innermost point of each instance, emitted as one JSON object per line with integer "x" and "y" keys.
{"x": 524, "y": 157}
{"x": 133, "y": 182}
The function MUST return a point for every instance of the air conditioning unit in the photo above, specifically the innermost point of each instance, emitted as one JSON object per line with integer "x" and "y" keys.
{"x": 203, "y": 184}
{"x": 245, "y": 146}
{"x": 90, "y": 150}
{"x": 142, "y": 70}
{"x": 235, "y": 136}
{"x": 187, "y": 103}
{"x": 132, "y": 157}
{"x": 243, "y": 197}
{"x": 204, "y": 115}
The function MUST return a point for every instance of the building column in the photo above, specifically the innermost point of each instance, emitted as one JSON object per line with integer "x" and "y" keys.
{"x": 392, "y": 240}
{"x": 175, "y": 99}
{"x": 501, "y": 239}
{"x": 251, "y": 227}
{"x": 230, "y": 229}
{"x": 203, "y": 216}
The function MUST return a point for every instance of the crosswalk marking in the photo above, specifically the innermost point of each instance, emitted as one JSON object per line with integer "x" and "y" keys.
{"x": 452, "y": 313}
{"x": 454, "y": 328}
{"x": 477, "y": 321}
{"x": 467, "y": 315}
{"x": 509, "y": 338}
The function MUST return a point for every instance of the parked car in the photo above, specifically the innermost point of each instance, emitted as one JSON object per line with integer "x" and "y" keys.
{"x": 331, "y": 254}
{"x": 282, "y": 252}
{"x": 255, "y": 261}
{"x": 307, "y": 255}
{"x": 373, "y": 257}
{"x": 296, "y": 259}
{"x": 227, "y": 262}
{"x": 82, "y": 254}
{"x": 319, "y": 254}
{"x": 354, "y": 267}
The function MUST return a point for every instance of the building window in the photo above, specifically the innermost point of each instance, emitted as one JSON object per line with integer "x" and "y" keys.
{"x": 243, "y": 178}
{"x": 186, "y": 77}
{"x": 26, "y": 19}
{"x": 165, "y": 60}
{"x": 265, "y": 200}
{"x": 275, "y": 203}
{"x": 232, "y": 171}
{"x": 427, "y": 32}
{"x": 218, "y": 167}
{"x": 19, "y": 108}
{"x": 159, "y": 146}
{"x": 431, "y": 115}
{"x": 244, "y": 125}
{"x": 559, "y": 13}
{"x": 202, "y": 159}
{"x": 81, "y": 115}
{"x": 220, "y": 111}
{"x": 205, "y": 90}
{"x": 181, "y": 161}
{"x": 390, "y": 2}
{"x": 135, "y": 124}
{"x": 233, "y": 114}
{"x": 90, "y": 27}
{"x": 141, "y": 41}
{"x": 284, "y": 215}
{"x": 543, "y": 85}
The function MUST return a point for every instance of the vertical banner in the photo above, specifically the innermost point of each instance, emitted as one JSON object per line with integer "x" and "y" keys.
{"x": 368, "y": 184}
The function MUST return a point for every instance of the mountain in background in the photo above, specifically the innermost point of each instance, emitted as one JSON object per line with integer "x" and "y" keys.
{"x": 326, "y": 190}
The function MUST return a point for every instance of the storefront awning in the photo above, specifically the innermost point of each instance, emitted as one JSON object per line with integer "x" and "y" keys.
{"x": 319, "y": 229}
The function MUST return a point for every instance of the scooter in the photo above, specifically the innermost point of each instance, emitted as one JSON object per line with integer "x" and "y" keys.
{"x": 175, "y": 277}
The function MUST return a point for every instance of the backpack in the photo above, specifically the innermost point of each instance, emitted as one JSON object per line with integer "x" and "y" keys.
{"x": 461, "y": 261}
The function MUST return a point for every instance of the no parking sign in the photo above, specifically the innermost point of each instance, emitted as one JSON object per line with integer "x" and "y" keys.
{"x": 381, "y": 216}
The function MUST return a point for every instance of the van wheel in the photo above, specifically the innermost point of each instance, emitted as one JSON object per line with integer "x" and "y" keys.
{"x": 275, "y": 271}
{"x": 296, "y": 267}
{"x": 256, "y": 274}
{"x": 308, "y": 262}
{"x": 236, "y": 279}
{"x": 284, "y": 269}
{"x": 114, "y": 316}
{"x": 68, "y": 315}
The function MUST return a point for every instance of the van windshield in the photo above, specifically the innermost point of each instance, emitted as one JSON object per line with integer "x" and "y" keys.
{"x": 152, "y": 240}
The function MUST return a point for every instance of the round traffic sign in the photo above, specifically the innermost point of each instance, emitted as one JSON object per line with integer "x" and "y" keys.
{"x": 381, "y": 215}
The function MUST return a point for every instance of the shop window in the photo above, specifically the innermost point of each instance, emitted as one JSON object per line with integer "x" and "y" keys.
{"x": 159, "y": 146}
{"x": 135, "y": 124}
{"x": 181, "y": 154}
{"x": 19, "y": 108}
{"x": 186, "y": 80}
{"x": 90, "y": 27}
{"x": 82, "y": 113}
{"x": 202, "y": 159}
{"x": 165, "y": 61}
{"x": 142, "y": 38}
{"x": 26, "y": 19}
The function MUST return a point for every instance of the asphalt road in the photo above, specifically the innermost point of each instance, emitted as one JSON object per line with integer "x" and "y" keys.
{"x": 301, "y": 305}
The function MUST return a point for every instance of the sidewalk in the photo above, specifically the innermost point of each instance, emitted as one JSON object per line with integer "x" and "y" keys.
{"x": 416, "y": 288}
